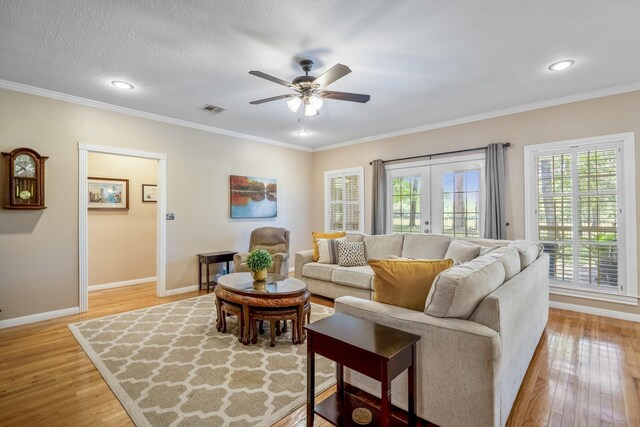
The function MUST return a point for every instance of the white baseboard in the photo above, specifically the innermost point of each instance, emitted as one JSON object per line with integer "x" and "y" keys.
{"x": 186, "y": 289}
{"x": 123, "y": 283}
{"x": 38, "y": 317}
{"x": 597, "y": 311}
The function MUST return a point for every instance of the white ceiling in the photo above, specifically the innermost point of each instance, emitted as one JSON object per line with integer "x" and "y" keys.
{"x": 421, "y": 61}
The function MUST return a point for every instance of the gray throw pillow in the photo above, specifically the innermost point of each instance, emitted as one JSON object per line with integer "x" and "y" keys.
{"x": 351, "y": 254}
{"x": 461, "y": 251}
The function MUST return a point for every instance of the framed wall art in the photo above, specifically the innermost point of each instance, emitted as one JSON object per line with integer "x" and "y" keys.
{"x": 149, "y": 193}
{"x": 108, "y": 193}
{"x": 253, "y": 197}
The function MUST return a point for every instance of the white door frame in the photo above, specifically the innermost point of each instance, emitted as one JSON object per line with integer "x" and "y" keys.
{"x": 83, "y": 204}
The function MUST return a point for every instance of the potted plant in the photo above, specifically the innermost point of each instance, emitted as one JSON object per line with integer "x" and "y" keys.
{"x": 258, "y": 261}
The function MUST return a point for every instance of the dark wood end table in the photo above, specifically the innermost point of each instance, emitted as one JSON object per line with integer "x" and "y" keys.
{"x": 212, "y": 258}
{"x": 377, "y": 351}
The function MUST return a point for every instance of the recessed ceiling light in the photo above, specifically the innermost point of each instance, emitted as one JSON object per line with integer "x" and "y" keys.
{"x": 561, "y": 65}
{"x": 122, "y": 85}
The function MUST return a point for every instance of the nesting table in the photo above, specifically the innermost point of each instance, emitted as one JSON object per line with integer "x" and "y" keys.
{"x": 276, "y": 299}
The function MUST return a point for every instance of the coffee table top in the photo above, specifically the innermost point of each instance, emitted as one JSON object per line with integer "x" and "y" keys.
{"x": 274, "y": 286}
{"x": 371, "y": 337}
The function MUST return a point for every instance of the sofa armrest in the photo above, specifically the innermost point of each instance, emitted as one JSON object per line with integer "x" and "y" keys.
{"x": 457, "y": 364}
{"x": 302, "y": 258}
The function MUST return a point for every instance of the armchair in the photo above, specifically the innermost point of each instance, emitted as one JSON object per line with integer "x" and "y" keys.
{"x": 272, "y": 239}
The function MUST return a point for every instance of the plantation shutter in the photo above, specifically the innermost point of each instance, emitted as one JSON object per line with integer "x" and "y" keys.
{"x": 344, "y": 199}
{"x": 577, "y": 215}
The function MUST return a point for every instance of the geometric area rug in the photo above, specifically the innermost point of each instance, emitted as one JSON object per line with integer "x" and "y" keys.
{"x": 169, "y": 366}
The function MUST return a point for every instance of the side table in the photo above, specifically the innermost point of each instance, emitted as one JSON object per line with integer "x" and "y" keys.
{"x": 212, "y": 258}
{"x": 377, "y": 351}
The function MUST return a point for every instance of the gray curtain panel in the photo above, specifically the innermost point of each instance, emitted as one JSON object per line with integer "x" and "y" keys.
{"x": 495, "y": 221}
{"x": 379, "y": 208}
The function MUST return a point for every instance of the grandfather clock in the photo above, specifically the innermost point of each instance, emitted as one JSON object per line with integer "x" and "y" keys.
{"x": 24, "y": 179}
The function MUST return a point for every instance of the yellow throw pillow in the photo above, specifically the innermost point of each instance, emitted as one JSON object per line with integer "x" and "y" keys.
{"x": 405, "y": 283}
{"x": 316, "y": 236}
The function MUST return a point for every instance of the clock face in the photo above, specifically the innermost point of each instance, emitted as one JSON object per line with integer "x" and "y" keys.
{"x": 25, "y": 166}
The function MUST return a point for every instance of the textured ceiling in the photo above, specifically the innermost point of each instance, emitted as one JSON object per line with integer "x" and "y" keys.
{"x": 422, "y": 62}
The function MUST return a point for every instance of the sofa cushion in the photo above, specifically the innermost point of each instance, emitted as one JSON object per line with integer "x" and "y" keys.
{"x": 528, "y": 251}
{"x": 354, "y": 237}
{"x": 316, "y": 235}
{"x": 425, "y": 246}
{"x": 356, "y": 277}
{"x": 381, "y": 247}
{"x": 461, "y": 251}
{"x": 316, "y": 270}
{"x": 458, "y": 291}
{"x": 405, "y": 283}
{"x": 510, "y": 259}
{"x": 351, "y": 254}
{"x": 328, "y": 250}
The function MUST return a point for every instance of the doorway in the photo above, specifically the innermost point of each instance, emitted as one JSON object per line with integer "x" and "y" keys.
{"x": 440, "y": 196}
{"x": 83, "y": 203}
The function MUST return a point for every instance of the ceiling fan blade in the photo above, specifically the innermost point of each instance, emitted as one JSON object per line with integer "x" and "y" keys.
{"x": 271, "y": 78}
{"x": 345, "y": 96}
{"x": 334, "y": 73}
{"x": 273, "y": 98}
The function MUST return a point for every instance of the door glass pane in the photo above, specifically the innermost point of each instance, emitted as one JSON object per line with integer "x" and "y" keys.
{"x": 460, "y": 203}
{"x": 405, "y": 214}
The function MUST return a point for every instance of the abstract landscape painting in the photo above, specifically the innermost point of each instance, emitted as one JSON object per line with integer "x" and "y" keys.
{"x": 253, "y": 197}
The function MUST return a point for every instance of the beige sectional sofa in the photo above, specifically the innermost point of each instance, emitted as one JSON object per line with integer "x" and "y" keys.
{"x": 469, "y": 366}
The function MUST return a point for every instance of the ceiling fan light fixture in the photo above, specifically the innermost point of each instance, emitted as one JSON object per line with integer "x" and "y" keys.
{"x": 294, "y": 103}
{"x": 315, "y": 101}
{"x": 309, "y": 111}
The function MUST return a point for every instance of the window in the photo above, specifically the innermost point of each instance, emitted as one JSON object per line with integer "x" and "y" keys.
{"x": 405, "y": 208}
{"x": 461, "y": 203}
{"x": 576, "y": 209}
{"x": 344, "y": 200}
{"x": 441, "y": 196}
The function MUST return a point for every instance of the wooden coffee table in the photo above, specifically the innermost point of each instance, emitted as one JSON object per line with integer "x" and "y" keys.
{"x": 377, "y": 351}
{"x": 278, "y": 295}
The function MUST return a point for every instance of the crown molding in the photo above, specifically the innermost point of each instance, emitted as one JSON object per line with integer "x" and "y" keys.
{"x": 19, "y": 87}
{"x": 616, "y": 90}
{"x": 631, "y": 87}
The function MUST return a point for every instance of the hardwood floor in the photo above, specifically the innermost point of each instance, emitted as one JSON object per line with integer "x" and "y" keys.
{"x": 586, "y": 371}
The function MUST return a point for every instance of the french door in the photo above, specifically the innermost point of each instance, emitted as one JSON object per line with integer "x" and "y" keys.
{"x": 442, "y": 196}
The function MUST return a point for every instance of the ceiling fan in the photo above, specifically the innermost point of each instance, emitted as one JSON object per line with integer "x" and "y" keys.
{"x": 309, "y": 90}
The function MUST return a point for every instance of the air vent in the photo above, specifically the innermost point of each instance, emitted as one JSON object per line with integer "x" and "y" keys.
{"x": 213, "y": 109}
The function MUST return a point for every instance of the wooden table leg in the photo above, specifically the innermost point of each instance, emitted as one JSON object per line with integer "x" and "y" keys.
{"x": 411, "y": 392}
{"x": 244, "y": 324}
{"x": 385, "y": 410}
{"x": 219, "y": 313}
{"x": 199, "y": 273}
{"x": 340, "y": 382}
{"x": 301, "y": 336}
{"x": 207, "y": 278}
{"x": 311, "y": 383}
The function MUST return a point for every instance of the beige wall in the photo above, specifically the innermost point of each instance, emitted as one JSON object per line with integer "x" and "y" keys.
{"x": 122, "y": 243}
{"x": 603, "y": 116}
{"x": 39, "y": 250}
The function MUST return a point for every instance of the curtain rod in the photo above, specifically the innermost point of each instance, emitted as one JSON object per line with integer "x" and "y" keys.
{"x": 505, "y": 145}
